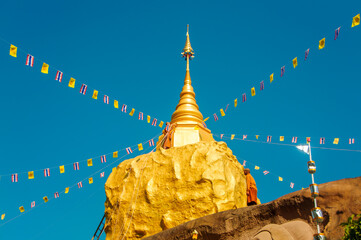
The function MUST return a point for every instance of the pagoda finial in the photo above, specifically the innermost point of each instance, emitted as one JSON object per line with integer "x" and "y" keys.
{"x": 188, "y": 50}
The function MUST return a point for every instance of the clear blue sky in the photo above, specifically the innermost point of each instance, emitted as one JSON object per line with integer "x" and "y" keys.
{"x": 131, "y": 51}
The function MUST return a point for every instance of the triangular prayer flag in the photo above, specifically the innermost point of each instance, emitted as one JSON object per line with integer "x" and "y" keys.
{"x": 31, "y": 175}
{"x": 116, "y": 104}
{"x": 282, "y": 138}
{"x": 90, "y": 162}
{"x": 90, "y": 180}
{"x": 161, "y": 124}
{"x": 140, "y": 147}
{"x": 148, "y": 119}
{"x": 115, "y": 154}
{"x": 21, "y": 209}
{"x": 304, "y": 148}
{"x": 256, "y": 167}
{"x": 45, "y": 199}
{"x": 235, "y": 102}
{"x": 67, "y": 190}
{"x": 132, "y": 112}
{"x": 71, "y": 83}
{"x": 45, "y": 68}
{"x": 271, "y": 78}
{"x": 95, "y": 95}
{"x": 336, "y": 140}
{"x": 13, "y": 51}
{"x": 222, "y": 112}
{"x": 232, "y": 136}
{"x": 253, "y": 91}
{"x": 322, "y": 43}
{"x": 280, "y": 179}
{"x": 61, "y": 169}
{"x": 355, "y": 20}
{"x": 2, "y": 216}
{"x": 294, "y": 62}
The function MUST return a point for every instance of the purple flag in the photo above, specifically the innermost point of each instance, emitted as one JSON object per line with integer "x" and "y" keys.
{"x": 282, "y": 70}
{"x": 262, "y": 85}
{"x": 337, "y": 32}
{"x": 306, "y": 53}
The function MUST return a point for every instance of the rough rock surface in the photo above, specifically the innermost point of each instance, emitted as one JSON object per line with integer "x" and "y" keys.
{"x": 160, "y": 190}
{"x": 338, "y": 200}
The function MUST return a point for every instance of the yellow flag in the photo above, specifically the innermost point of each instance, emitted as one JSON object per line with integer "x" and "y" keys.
{"x": 45, "y": 199}
{"x": 222, "y": 112}
{"x": 205, "y": 120}
{"x": 161, "y": 124}
{"x": 62, "y": 169}
{"x": 95, "y": 96}
{"x": 71, "y": 83}
{"x": 256, "y": 167}
{"x": 90, "y": 162}
{"x": 31, "y": 175}
{"x": 355, "y": 21}
{"x": 160, "y": 137}
{"x": 148, "y": 119}
{"x": 132, "y": 112}
{"x": 235, "y": 102}
{"x": 280, "y": 179}
{"x": 114, "y": 168}
{"x": 140, "y": 147}
{"x": 115, "y": 154}
{"x": 45, "y": 68}
{"x": 282, "y": 138}
{"x": 21, "y": 209}
{"x": 2, "y": 216}
{"x": 67, "y": 190}
{"x": 294, "y": 62}
{"x": 271, "y": 78}
{"x": 90, "y": 180}
{"x": 13, "y": 50}
{"x": 232, "y": 136}
{"x": 116, "y": 104}
{"x": 335, "y": 141}
{"x": 257, "y": 136}
{"x": 253, "y": 91}
{"x": 322, "y": 43}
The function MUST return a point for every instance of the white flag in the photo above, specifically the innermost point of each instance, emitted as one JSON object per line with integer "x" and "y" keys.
{"x": 304, "y": 148}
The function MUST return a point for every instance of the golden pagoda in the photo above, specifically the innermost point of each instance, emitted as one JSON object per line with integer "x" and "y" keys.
{"x": 187, "y": 125}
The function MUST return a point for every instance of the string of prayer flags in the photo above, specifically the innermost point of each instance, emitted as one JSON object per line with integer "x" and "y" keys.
{"x": 83, "y": 89}
{"x": 306, "y": 53}
{"x": 321, "y": 44}
{"x": 61, "y": 169}
{"x": 29, "y": 61}
{"x": 71, "y": 83}
{"x": 106, "y": 99}
{"x": 103, "y": 159}
{"x": 140, "y": 117}
{"x": 161, "y": 124}
{"x": 337, "y": 32}
{"x": 45, "y": 68}
{"x": 31, "y": 175}
{"x": 116, "y": 105}
{"x": 294, "y": 62}
{"x": 21, "y": 209}
{"x": 261, "y": 85}
{"x": 45, "y": 199}
{"x": 140, "y": 147}
{"x": 148, "y": 119}
{"x": 129, "y": 150}
{"x": 76, "y": 166}
{"x": 132, "y": 112}
{"x": 124, "y": 108}
{"x": 335, "y": 141}
{"x": 13, "y": 51}
{"x": 58, "y": 76}
{"x": 90, "y": 180}
{"x": 232, "y": 136}
{"x": 283, "y": 70}
{"x": 222, "y": 112}
{"x": 355, "y": 20}
{"x": 253, "y": 91}
{"x": 95, "y": 94}
{"x": 66, "y": 190}
{"x": 90, "y": 162}
{"x": 235, "y": 102}
{"x": 115, "y": 154}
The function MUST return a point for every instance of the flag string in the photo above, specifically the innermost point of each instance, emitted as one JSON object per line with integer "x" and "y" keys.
{"x": 82, "y": 161}
{"x": 70, "y": 187}
{"x": 295, "y": 62}
{"x": 84, "y": 87}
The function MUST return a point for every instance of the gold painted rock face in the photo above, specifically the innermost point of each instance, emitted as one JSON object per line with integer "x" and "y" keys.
{"x": 160, "y": 190}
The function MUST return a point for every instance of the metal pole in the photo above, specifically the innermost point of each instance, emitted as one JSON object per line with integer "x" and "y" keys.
{"x": 313, "y": 182}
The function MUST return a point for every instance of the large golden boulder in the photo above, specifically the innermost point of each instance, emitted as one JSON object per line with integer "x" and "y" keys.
{"x": 160, "y": 190}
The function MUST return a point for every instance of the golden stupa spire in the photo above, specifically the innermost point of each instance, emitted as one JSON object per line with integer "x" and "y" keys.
{"x": 187, "y": 110}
